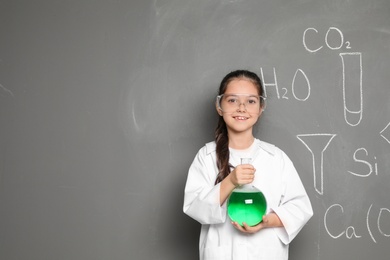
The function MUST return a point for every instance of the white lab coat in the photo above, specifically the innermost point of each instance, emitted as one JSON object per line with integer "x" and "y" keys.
{"x": 276, "y": 177}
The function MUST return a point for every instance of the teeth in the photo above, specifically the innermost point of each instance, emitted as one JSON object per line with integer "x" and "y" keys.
{"x": 241, "y": 118}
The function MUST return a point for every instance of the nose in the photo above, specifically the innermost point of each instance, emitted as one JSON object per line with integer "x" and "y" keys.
{"x": 241, "y": 104}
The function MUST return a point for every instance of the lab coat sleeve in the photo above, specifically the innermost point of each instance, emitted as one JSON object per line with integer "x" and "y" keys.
{"x": 294, "y": 209}
{"x": 201, "y": 195}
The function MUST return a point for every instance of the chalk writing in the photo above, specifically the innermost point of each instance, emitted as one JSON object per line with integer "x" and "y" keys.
{"x": 317, "y": 144}
{"x": 352, "y": 87}
{"x": 337, "y": 31}
{"x": 385, "y": 133}
{"x": 382, "y": 210}
{"x": 352, "y": 72}
{"x": 350, "y": 232}
{"x": 5, "y": 92}
{"x": 275, "y": 84}
{"x": 285, "y": 91}
{"x": 364, "y": 162}
{"x": 308, "y": 85}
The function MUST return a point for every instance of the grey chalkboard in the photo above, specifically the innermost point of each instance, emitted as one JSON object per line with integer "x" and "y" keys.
{"x": 103, "y": 105}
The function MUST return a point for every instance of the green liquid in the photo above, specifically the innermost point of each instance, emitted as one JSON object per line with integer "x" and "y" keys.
{"x": 246, "y": 206}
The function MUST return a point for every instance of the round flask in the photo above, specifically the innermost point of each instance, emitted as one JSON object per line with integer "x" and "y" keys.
{"x": 246, "y": 204}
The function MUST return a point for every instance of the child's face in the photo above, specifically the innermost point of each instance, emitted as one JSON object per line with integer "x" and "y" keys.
{"x": 240, "y": 119}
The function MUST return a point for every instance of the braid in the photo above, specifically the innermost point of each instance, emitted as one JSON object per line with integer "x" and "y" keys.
{"x": 222, "y": 151}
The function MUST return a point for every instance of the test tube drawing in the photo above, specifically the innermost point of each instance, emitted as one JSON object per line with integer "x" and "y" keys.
{"x": 352, "y": 87}
{"x": 317, "y": 144}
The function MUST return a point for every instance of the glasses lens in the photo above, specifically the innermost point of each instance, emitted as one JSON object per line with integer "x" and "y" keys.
{"x": 232, "y": 102}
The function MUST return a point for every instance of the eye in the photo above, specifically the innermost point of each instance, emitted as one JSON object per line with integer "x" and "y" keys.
{"x": 252, "y": 101}
{"x": 231, "y": 99}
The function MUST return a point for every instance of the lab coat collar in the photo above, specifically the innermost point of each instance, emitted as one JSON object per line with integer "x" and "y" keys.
{"x": 267, "y": 147}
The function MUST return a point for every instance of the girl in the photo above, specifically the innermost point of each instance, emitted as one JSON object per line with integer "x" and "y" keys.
{"x": 216, "y": 171}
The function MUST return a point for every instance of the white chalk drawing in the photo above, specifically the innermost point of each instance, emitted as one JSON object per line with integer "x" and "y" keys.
{"x": 308, "y": 85}
{"x": 365, "y": 164}
{"x": 352, "y": 87}
{"x": 341, "y": 38}
{"x": 379, "y": 223}
{"x": 385, "y": 133}
{"x": 285, "y": 91}
{"x": 352, "y": 72}
{"x": 6, "y": 91}
{"x": 334, "y": 31}
{"x": 317, "y": 144}
{"x": 275, "y": 84}
{"x": 368, "y": 224}
{"x": 304, "y": 40}
{"x": 351, "y": 232}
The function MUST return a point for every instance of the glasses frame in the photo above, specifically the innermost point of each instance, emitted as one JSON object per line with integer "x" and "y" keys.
{"x": 261, "y": 98}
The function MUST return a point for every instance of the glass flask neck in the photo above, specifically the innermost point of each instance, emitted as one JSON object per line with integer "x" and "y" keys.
{"x": 247, "y": 187}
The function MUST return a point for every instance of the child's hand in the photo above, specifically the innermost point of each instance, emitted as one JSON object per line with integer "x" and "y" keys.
{"x": 242, "y": 174}
{"x": 248, "y": 229}
{"x": 269, "y": 220}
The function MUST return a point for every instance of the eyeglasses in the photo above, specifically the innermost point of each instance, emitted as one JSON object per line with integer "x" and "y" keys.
{"x": 231, "y": 102}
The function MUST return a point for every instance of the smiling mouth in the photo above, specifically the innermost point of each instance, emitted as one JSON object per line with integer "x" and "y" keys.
{"x": 241, "y": 117}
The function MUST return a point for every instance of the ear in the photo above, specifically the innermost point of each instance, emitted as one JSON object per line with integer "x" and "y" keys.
{"x": 219, "y": 111}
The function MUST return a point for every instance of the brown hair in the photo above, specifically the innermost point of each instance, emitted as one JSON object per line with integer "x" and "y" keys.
{"x": 221, "y": 134}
